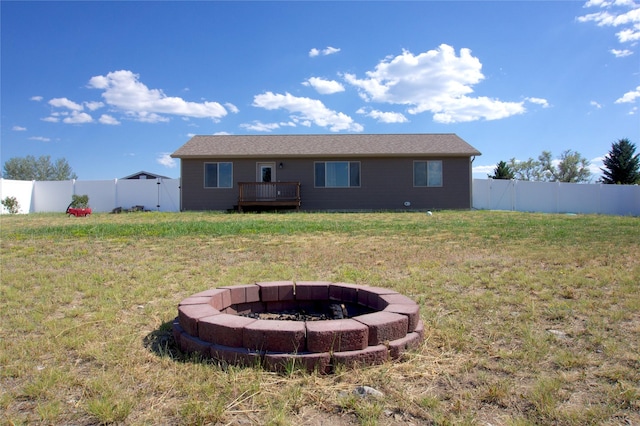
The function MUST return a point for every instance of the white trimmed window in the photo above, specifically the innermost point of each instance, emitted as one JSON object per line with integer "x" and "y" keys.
{"x": 337, "y": 174}
{"x": 218, "y": 175}
{"x": 427, "y": 173}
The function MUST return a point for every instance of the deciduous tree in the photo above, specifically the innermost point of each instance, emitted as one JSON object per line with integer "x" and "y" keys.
{"x": 31, "y": 168}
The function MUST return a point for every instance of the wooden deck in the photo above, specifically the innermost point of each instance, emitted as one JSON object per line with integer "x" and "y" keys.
{"x": 268, "y": 194}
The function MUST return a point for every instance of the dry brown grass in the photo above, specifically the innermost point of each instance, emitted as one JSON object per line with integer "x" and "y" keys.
{"x": 530, "y": 319}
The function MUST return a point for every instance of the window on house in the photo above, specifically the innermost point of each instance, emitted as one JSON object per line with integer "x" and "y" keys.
{"x": 218, "y": 175}
{"x": 337, "y": 174}
{"x": 427, "y": 173}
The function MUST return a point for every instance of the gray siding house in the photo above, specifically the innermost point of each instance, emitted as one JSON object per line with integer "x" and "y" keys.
{"x": 346, "y": 172}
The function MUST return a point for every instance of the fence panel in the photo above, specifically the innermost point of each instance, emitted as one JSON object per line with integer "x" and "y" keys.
{"x": 535, "y": 197}
{"x": 102, "y": 193}
{"x": 52, "y": 196}
{"x": 574, "y": 198}
{"x": 620, "y": 200}
{"x": 22, "y": 190}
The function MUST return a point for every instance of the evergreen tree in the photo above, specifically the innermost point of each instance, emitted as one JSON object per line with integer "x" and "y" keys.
{"x": 621, "y": 165}
{"x": 502, "y": 171}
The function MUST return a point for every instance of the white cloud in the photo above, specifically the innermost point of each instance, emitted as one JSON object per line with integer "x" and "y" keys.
{"x": 36, "y": 98}
{"x": 484, "y": 170}
{"x": 18, "y": 128}
{"x": 65, "y": 103}
{"x": 595, "y": 104}
{"x": 232, "y": 108}
{"x": 324, "y": 52}
{"x": 258, "y": 126}
{"x": 619, "y": 13}
{"x": 165, "y": 159}
{"x": 306, "y": 110}
{"x": 629, "y": 97}
{"x": 629, "y": 34}
{"x": 621, "y": 53}
{"x": 78, "y": 118}
{"x": 123, "y": 90}
{"x": 51, "y": 119}
{"x": 107, "y": 119}
{"x": 384, "y": 117}
{"x": 539, "y": 101}
{"x": 437, "y": 81}
{"x": 39, "y": 138}
{"x": 324, "y": 87}
{"x": 93, "y": 105}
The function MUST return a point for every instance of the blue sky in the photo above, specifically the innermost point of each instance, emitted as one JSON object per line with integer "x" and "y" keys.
{"x": 115, "y": 87}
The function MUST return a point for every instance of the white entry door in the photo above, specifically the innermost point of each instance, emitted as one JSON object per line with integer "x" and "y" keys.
{"x": 266, "y": 174}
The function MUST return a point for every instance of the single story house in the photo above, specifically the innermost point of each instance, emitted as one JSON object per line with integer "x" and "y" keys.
{"x": 345, "y": 172}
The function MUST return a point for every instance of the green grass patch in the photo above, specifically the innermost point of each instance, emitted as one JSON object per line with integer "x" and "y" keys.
{"x": 529, "y": 318}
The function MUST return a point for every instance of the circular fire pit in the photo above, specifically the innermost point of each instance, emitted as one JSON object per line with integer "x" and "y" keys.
{"x": 373, "y": 325}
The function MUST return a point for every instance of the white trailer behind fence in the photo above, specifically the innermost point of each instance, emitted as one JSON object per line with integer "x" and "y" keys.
{"x": 164, "y": 195}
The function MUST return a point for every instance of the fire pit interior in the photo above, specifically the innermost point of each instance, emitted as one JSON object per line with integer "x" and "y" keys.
{"x": 313, "y": 324}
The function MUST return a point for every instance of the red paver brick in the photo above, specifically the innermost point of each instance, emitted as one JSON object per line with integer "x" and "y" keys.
{"x": 272, "y": 291}
{"x": 312, "y": 290}
{"x": 275, "y": 336}
{"x": 344, "y": 292}
{"x": 319, "y": 362}
{"x": 223, "y": 329}
{"x": 395, "y": 299}
{"x": 370, "y": 296}
{"x": 236, "y": 356}
{"x": 195, "y": 300}
{"x": 253, "y": 293}
{"x": 384, "y": 326}
{"x": 398, "y": 347}
{"x": 336, "y": 335}
{"x": 411, "y": 311}
{"x": 371, "y": 355}
{"x": 190, "y": 344}
{"x": 177, "y": 330}
{"x": 188, "y": 315}
{"x": 281, "y": 306}
{"x": 247, "y": 308}
{"x": 420, "y": 329}
{"x": 220, "y": 299}
{"x": 238, "y": 293}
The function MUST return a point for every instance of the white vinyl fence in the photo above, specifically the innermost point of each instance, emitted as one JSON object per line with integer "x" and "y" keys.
{"x": 556, "y": 197}
{"x": 488, "y": 194}
{"x": 104, "y": 195}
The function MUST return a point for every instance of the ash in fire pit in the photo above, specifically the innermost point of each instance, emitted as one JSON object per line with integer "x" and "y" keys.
{"x": 334, "y": 311}
{"x": 313, "y": 324}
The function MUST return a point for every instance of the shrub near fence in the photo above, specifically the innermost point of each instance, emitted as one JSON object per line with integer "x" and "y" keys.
{"x": 488, "y": 194}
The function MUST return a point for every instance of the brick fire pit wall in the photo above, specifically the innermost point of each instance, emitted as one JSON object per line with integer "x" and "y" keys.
{"x": 210, "y": 324}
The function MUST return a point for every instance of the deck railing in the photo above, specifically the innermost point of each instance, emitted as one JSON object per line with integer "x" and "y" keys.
{"x": 268, "y": 194}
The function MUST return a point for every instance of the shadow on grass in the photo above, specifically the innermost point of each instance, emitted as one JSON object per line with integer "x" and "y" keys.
{"x": 162, "y": 343}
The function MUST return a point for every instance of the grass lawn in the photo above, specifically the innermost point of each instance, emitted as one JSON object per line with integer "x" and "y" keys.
{"x": 529, "y": 318}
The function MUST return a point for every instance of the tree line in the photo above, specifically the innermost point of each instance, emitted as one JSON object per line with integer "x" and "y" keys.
{"x": 621, "y": 166}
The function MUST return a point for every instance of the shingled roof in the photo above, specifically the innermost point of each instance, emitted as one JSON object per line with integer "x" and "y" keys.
{"x": 344, "y": 145}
